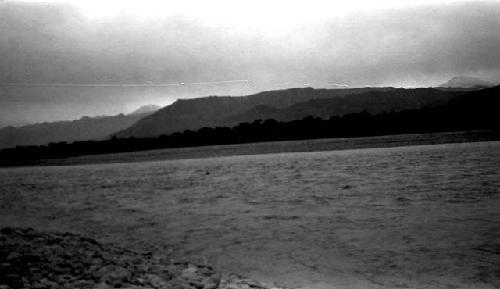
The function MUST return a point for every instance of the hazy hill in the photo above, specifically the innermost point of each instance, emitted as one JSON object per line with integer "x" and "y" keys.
{"x": 373, "y": 102}
{"x": 191, "y": 114}
{"x": 148, "y": 108}
{"x": 466, "y": 82}
{"x": 472, "y": 111}
{"x": 283, "y": 105}
{"x": 86, "y": 128}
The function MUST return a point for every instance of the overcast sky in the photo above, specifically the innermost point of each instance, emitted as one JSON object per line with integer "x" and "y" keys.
{"x": 65, "y": 59}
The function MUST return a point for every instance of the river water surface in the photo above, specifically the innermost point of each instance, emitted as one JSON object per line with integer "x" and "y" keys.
{"x": 404, "y": 217}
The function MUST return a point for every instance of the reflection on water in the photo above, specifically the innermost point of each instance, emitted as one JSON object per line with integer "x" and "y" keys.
{"x": 406, "y": 217}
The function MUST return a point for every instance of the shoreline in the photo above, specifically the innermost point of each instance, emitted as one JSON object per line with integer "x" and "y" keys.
{"x": 259, "y": 148}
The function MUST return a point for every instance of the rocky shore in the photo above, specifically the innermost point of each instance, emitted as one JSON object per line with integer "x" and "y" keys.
{"x": 32, "y": 259}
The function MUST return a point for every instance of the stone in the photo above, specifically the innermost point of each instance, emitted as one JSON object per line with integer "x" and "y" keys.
{"x": 189, "y": 273}
{"x": 156, "y": 281}
{"x": 210, "y": 284}
{"x": 114, "y": 274}
{"x": 13, "y": 255}
{"x": 101, "y": 286}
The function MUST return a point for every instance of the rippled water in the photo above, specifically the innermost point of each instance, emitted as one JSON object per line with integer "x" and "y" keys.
{"x": 406, "y": 217}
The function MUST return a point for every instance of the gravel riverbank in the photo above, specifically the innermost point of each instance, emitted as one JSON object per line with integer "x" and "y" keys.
{"x": 33, "y": 259}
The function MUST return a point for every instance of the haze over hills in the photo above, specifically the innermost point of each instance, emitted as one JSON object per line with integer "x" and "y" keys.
{"x": 190, "y": 114}
{"x": 90, "y": 66}
{"x": 85, "y": 128}
{"x": 466, "y": 82}
{"x": 473, "y": 111}
{"x": 373, "y": 102}
{"x": 282, "y": 105}
{"x": 148, "y": 108}
{"x": 225, "y": 111}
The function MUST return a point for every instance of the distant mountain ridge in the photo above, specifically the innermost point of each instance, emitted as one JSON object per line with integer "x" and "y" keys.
{"x": 85, "y": 128}
{"x": 190, "y": 114}
{"x": 466, "y": 82}
{"x": 225, "y": 111}
{"x": 282, "y": 105}
{"x": 148, "y": 108}
{"x": 474, "y": 111}
{"x": 373, "y": 102}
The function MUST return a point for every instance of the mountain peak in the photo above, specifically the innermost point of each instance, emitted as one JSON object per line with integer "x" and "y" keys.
{"x": 148, "y": 108}
{"x": 466, "y": 82}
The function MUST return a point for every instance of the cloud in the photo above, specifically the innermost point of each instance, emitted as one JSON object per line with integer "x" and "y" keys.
{"x": 56, "y": 45}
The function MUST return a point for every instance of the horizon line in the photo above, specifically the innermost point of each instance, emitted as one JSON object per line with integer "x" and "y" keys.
{"x": 119, "y": 85}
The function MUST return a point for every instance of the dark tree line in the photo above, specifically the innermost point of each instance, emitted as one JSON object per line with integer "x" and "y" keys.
{"x": 459, "y": 114}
